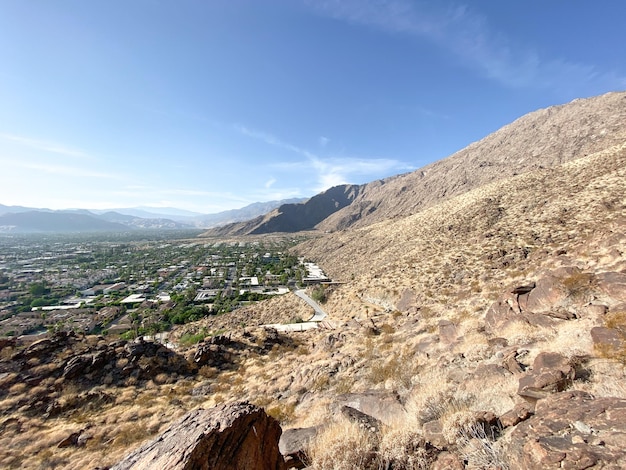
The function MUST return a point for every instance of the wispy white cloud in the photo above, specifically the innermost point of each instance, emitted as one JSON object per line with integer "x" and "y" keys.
{"x": 269, "y": 183}
{"x": 57, "y": 170}
{"x": 46, "y": 146}
{"x": 323, "y": 141}
{"x": 469, "y": 36}
{"x": 330, "y": 171}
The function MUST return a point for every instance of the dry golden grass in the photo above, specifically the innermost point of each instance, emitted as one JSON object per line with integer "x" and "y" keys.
{"x": 343, "y": 445}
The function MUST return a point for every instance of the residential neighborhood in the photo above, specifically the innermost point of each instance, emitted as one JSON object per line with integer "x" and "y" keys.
{"x": 133, "y": 287}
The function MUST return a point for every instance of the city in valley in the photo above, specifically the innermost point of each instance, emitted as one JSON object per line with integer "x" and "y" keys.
{"x": 137, "y": 285}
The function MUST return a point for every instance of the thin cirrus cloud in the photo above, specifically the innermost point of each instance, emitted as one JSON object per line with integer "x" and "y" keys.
{"x": 330, "y": 171}
{"x": 469, "y": 37}
{"x": 58, "y": 170}
{"x": 45, "y": 146}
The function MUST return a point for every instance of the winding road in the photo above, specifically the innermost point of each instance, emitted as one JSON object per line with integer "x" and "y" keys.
{"x": 312, "y": 323}
{"x": 319, "y": 313}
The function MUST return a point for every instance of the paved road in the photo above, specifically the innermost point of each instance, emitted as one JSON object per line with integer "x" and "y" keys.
{"x": 316, "y": 321}
{"x": 319, "y": 313}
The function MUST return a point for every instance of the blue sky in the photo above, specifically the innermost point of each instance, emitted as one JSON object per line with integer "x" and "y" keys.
{"x": 208, "y": 105}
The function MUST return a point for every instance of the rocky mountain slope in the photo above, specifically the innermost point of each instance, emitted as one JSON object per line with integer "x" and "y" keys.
{"x": 484, "y": 331}
{"x": 294, "y": 217}
{"x": 541, "y": 139}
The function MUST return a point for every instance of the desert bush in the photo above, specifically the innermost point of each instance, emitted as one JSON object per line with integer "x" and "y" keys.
{"x": 479, "y": 450}
{"x": 344, "y": 384}
{"x": 454, "y": 423}
{"x": 443, "y": 403}
{"x": 399, "y": 368}
{"x": 343, "y": 445}
{"x": 282, "y": 412}
{"x": 578, "y": 285}
{"x": 189, "y": 339}
{"x": 319, "y": 294}
{"x": 617, "y": 321}
{"x": 403, "y": 448}
{"x": 129, "y": 434}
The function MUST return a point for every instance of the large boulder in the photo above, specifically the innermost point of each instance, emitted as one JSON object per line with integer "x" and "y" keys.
{"x": 228, "y": 437}
{"x": 571, "y": 430}
{"x": 613, "y": 284}
{"x": 547, "y": 295}
{"x": 384, "y": 406}
{"x": 550, "y": 373}
{"x": 294, "y": 444}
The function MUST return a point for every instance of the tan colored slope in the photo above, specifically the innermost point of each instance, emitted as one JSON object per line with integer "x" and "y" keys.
{"x": 543, "y": 138}
{"x": 475, "y": 241}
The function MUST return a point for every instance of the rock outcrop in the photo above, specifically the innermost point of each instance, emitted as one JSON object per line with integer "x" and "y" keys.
{"x": 550, "y": 373}
{"x": 228, "y": 437}
{"x": 571, "y": 430}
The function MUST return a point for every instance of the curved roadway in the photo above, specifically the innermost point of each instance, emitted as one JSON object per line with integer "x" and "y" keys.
{"x": 319, "y": 314}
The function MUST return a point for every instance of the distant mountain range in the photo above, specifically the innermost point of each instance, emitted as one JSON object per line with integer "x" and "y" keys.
{"x": 19, "y": 219}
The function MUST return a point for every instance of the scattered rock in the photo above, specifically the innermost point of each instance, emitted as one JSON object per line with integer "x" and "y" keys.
{"x": 552, "y": 439}
{"x": 547, "y": 295}
{"x": 7, "y": 343}
{"x": 498, "y": 343}
{"x": 594, "y": 310}
{"x": 75, "y": 366}
{"x": 228, "y": 437}
{"x": 208, "y": 354}
{"x": 205, "y": 388}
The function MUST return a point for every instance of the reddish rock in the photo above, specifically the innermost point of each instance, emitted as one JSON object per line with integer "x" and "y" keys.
{"x": 607, "y": 338}
{"x": 447, "y": 461}
{"x": 407, "y": 301}
{"x": 550, "y": 373}
{"x": 500, "y": 312}
{"x": 228, "y": 437}
{"x": 447, "y": 331}
{"x": 547, "y": 295}
{"x": 505, "y": 310}
{"x": 69, "y": 441}
{"x": 7, "y": 343}
{"x": 519, "y": 413}
{"x": 509, "y": 362}
{"x": 613, "y": 285}
{"x": 571, "y": 430}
